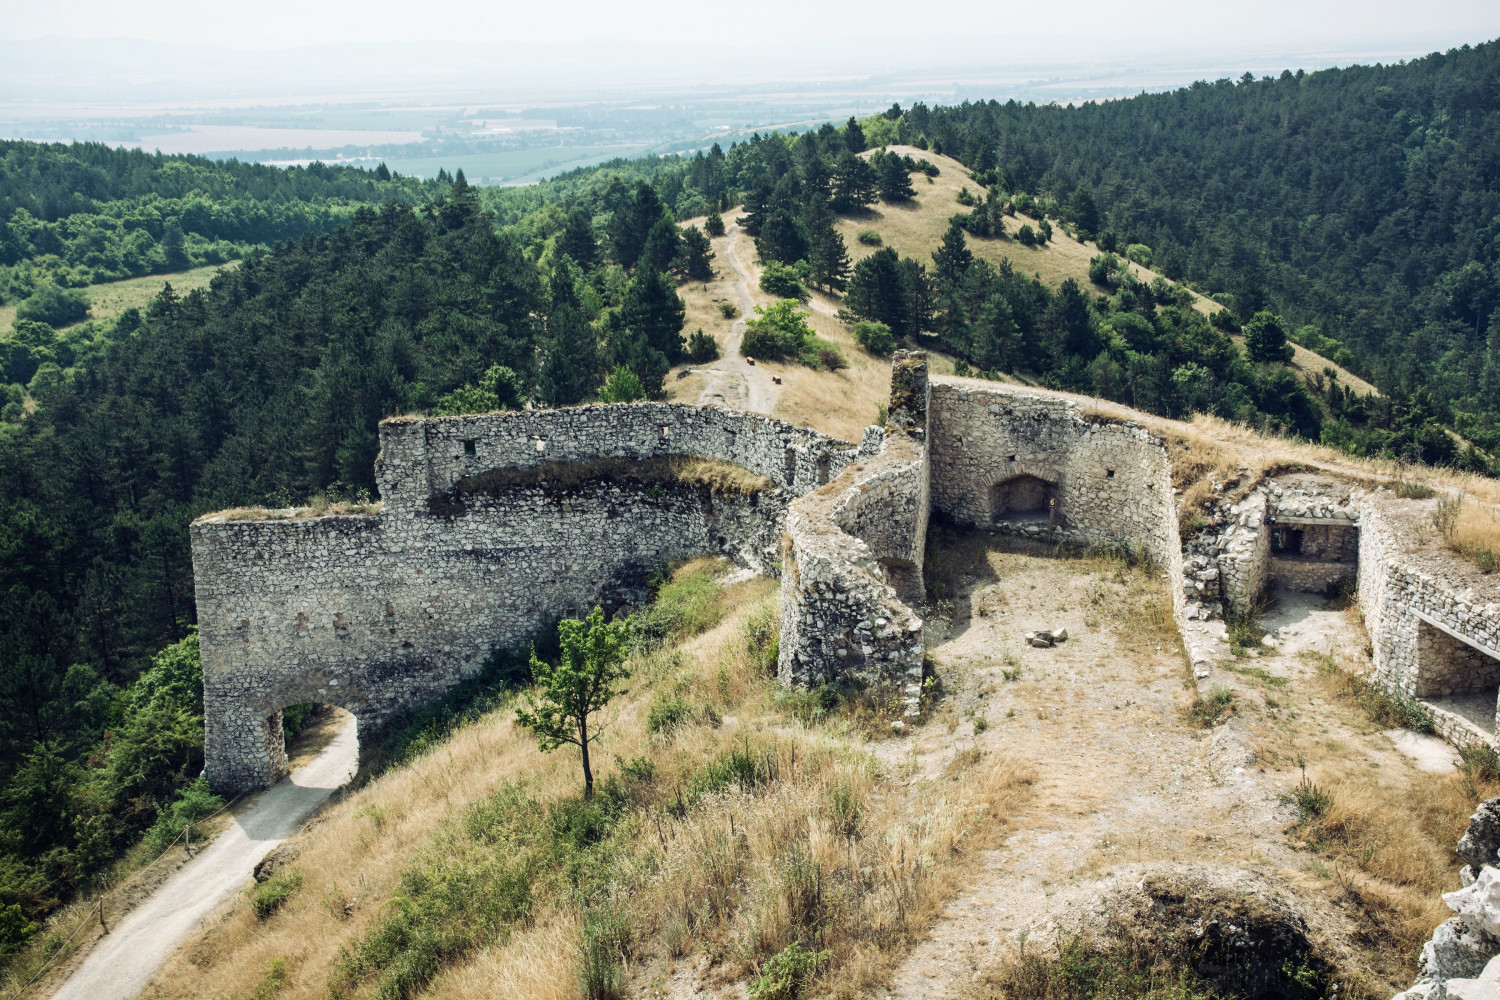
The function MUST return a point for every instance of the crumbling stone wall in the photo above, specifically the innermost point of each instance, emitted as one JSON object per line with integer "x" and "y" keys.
{"x": 1113, "y": 479}
{"x": 848, "y": 547}
{"x": 381, "y": 613}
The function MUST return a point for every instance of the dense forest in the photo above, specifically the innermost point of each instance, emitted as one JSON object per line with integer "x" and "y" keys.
{"x": 78, "y": 214}
{"x": 1353, "y": 210}
{"x": 1361, "y": 204}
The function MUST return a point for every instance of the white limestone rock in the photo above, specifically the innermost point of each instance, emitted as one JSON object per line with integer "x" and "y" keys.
{"x": 1478, "y": 905}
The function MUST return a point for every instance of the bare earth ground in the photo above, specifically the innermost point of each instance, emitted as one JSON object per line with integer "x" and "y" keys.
{"x": 1124, "y": 780}
{"x": 121, "y": 963}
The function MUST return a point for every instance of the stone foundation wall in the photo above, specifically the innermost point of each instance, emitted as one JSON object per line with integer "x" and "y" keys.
{"x": 1113, "y": 482}
{"x": 1309, "y": 576}
{"x": 1245, "y": 554}
{"x": 1414, "y": 617}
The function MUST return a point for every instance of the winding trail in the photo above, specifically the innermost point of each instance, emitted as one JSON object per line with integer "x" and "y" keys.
{"x": 120, "y": 964}
{"x": 732, "y": 381}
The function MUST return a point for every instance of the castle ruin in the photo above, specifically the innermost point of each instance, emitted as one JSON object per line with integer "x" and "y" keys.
{"x": 492, "y": 527}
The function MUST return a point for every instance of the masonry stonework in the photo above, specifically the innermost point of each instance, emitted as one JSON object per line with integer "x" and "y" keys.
{"x": 492, "y": 527}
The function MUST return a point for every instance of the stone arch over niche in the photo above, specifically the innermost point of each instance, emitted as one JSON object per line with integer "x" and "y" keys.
{"x": 1024, "y": 497}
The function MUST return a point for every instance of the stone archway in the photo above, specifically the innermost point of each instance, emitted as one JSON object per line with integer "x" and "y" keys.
{"x": 1024, "y": 497}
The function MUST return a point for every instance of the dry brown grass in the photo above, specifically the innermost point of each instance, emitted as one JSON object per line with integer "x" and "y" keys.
{"x": 734, "y": 877}
{"x": 1470, "y": 529}
{"x": 317, "y": 508}
{"x": 722, "y": 477}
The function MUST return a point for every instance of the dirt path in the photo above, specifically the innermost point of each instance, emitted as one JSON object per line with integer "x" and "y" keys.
{"x": 732, "y": 381}
{"x": 122, "y": 963}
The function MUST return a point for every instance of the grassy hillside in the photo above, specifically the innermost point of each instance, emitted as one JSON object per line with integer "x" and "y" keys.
{"x": 733, "y": 823}
{"x": 111, "y": 298}
{"x": 916, "y": 228}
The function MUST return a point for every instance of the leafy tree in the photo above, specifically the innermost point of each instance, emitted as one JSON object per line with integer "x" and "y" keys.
{"x": 591, "y": 663}
{"x": 874, "y": 337}
{"x": 1265, "y": 338}
{"x": 783, "y": 281}
{"x": 54, "y": 306}
{"x": 778, "y": 331}
{"x": 499, "y": 389}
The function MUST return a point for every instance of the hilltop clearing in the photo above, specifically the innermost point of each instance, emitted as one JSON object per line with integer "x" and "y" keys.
{"x": 915, "y": 229}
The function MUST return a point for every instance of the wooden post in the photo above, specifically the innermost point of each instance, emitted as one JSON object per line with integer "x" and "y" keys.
{"x": 102, "y": 925}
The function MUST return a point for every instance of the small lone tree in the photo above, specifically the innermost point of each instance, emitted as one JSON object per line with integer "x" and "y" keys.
{"x": 583, "y": 681}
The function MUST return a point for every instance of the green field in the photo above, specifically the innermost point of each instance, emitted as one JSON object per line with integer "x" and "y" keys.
{"x": 114, "y": 297}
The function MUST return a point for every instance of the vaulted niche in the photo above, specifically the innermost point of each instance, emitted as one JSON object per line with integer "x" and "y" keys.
{"x": 1456, "y": 673}
{"x": 1024, "y": 498}
{"x": 1313, "y": 555}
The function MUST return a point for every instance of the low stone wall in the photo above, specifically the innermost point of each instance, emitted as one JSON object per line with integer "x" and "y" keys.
{"x": 1245, "y": 554}
{"x": 842, "y": 620}
{"x": 1429, "y": 639}
{"x": 1309, "y": 576}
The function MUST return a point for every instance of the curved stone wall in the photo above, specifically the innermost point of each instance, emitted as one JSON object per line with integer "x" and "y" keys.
{"x": 381, "y": 613}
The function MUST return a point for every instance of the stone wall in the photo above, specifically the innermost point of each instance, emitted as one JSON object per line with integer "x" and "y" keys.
{"x": 1112, "y": 480}
{"x": 1245, "y": 554}
{"x": 1430, "y": 638}
{"x": 427, "y": 456}
{"x": 848, "y": 548}
{"x": 1309, "y": 576}
{"x": 381, "y": 613}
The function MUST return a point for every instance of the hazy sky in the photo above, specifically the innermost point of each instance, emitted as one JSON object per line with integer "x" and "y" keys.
{"x": 1095, "y": 25}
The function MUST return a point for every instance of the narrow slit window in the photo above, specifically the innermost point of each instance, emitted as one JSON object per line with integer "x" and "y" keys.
{"x": 471, "y": 447}
{"x": 1109, "y": 473}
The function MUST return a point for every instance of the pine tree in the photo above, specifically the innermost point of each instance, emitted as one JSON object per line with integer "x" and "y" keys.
{"x": 854, "y": 136}
{"x": 663, "y": 246}
{"x": 829, "y": 260}
{"x": 694, "y": 261}
{"x": 953, "y": 257}
{"x": 577, "y": 240}
{"x": 714, "y": 224}
{"x": 853, "y": 183}
{"x": 892, "y": 178}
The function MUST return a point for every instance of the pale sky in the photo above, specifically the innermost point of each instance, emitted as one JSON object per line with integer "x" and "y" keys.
{"x": 1090, "y": 24}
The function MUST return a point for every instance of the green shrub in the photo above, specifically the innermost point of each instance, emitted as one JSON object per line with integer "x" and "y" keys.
{"x": 271, "y": 981}
{"x": 980, "y": 724}
{"x": 701, "y": 348}
{"x": 682, "y": 608}
{"x": 1477, "y": 759}
{"x": 845, "y": 809}
{"x": 1026, "y": 235}
{"x": 778, "y": 331}
{"x": 267, "y": 897}
{"x": 713, "y": 225}
{"x": 783, "y": 281}
{"x": 667, "y": 713}
{"x": 1310, "y": 800}
{"x": 54, "y": 306}
{"x": 729, "y": 310}
{"x": 188, "y": 809}
{"x": 787, "y": 973}
{"x": 1206, "y": 712}
{"x": 821, "y": 354}
{"x": 874, "y": 337}
{"x": 606, "y": 944}
{"x": 870, "y": 238}
{"x": 622, "y": 386}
